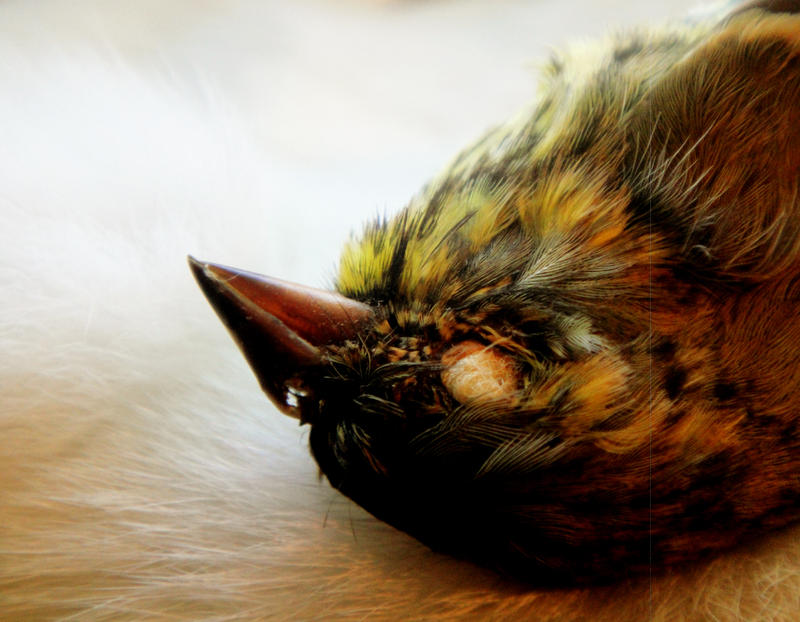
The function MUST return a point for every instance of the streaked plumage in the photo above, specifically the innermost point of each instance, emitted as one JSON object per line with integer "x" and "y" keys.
{"x": 581, "y": 359}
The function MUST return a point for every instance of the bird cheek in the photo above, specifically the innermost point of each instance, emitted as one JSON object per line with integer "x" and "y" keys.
{"x": 474, "y": 373}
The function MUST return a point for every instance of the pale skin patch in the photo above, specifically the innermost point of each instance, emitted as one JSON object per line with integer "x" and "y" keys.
{"x": 474, "y": 372}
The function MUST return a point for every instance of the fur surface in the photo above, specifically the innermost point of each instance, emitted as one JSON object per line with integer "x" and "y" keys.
{"x": 143, "y": 474}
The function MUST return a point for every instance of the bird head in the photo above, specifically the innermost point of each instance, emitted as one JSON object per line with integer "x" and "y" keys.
{"x": 561, "y": 357}
{"x": 434, "y": 378}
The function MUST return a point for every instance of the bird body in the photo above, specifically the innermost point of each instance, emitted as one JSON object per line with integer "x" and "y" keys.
{"x": 574, "y": 354}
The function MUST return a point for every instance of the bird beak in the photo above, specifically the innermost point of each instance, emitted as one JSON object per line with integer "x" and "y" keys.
{"x": 280, "y": 327}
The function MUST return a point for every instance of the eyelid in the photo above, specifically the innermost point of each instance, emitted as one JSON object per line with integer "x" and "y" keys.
{"x": 474, "y": 372}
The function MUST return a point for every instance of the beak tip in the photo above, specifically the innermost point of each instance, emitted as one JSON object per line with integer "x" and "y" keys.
{"x": 198, "y": 269}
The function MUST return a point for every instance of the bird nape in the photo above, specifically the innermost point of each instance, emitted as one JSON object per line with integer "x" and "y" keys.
{"x": 574, "y": 355}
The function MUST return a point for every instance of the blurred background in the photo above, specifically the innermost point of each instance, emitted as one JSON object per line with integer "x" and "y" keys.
{"x": 142, "y": 473}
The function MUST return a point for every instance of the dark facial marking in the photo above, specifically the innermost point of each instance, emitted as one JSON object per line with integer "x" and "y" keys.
{"x": 674, "y": 380}
{"x": 725, "y": 391}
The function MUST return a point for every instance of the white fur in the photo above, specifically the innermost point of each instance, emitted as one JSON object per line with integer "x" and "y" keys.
{"x": 142, "y": 473}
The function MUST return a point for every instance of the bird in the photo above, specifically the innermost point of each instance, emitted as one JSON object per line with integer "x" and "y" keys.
{"x": 573, "y": 356}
